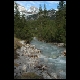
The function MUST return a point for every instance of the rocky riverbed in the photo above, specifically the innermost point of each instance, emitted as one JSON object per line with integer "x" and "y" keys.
{"x": 32, "y": 60}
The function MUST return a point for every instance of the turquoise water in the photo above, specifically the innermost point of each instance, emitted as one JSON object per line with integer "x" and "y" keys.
{"x": 52, "y": 53}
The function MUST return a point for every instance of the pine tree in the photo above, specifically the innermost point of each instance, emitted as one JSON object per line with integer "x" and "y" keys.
{"x": 39, "y": 22}
{"x": 40, "y": 10}
{"x": 61, "y": 22}
{"x": 16, "y": 19}
{"x": 21, "y": 29}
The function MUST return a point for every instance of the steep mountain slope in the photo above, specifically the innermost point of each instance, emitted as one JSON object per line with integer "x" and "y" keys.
{"x": 32, "y": 12}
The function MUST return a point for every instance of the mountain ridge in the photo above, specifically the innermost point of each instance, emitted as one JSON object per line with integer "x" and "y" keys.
{"x": 33, "y": 11}
{"x": 23, "y": 10}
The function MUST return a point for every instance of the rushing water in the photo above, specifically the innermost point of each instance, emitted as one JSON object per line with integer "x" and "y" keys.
{"x": 53, "y": 58}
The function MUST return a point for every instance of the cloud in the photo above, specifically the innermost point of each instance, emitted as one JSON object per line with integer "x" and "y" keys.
{"x": 35, "y": 3}
{"x": 56, "y": 9}
{"x": 28, "y": 4}
{"x": 32, "y": 2}
{"x": 38, "y": 2}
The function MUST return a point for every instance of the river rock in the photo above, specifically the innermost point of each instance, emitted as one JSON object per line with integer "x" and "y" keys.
{"x": 23, "y": 48}
{"x": 24, "y": 68}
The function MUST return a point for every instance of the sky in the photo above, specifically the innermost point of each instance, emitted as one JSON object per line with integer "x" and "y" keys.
{"x": 49, "y": 4}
